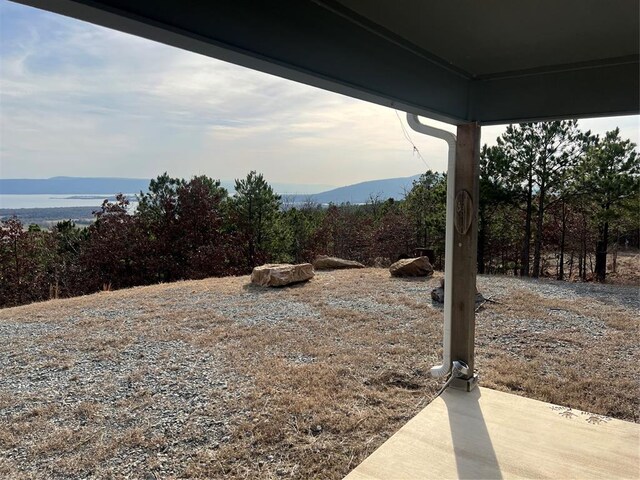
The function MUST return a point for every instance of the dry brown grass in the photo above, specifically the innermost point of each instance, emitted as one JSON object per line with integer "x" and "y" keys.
{"x": 308, "y": 395}
{"x": 568, "y": 366}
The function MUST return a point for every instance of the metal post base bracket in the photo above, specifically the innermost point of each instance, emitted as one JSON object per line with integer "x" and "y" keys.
{"x": 465, "y": 384}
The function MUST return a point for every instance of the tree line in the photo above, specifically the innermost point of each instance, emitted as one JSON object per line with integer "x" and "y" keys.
{"x": 553, "y": 202}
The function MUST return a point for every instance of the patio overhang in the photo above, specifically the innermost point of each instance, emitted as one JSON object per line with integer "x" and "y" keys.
{"x": 465, "y": 61}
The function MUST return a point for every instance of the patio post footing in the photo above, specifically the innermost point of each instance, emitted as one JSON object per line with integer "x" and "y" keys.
{"x": 465, "y": 384}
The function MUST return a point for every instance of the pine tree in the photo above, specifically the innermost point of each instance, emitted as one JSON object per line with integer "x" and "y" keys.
{"x": 541, "y": 154}
{"x": 255, "y": 206}
{"x": 426, "y": 205}
{"x": 609, "y": 177}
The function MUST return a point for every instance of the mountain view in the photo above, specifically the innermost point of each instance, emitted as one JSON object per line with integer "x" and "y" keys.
{"x": 362, "y": 192}
{"x": 87, "y": 187}
{"x": 289, "y": 300}
{"x": 46, "y": 201}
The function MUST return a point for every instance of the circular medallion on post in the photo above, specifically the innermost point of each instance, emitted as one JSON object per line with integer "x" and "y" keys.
{"x": 463, "y": 212}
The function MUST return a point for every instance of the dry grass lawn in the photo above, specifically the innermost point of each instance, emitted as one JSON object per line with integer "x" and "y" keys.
{"x": 220, "y": 379}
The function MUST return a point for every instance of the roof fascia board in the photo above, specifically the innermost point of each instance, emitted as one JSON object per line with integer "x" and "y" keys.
{"x": 606, "y": 90}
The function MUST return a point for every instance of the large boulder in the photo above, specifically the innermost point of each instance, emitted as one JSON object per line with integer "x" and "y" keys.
{"x": 281, "y": 274}
{"x": 323, "y": 262}
{"x": 412, "y": 267}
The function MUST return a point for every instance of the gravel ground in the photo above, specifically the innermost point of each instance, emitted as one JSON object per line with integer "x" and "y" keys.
{"x": 627, "y": 296}
{"x": 214, "y": 378}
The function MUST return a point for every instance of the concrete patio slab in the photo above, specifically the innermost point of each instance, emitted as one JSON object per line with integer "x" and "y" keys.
{"x": 490, "y": 434}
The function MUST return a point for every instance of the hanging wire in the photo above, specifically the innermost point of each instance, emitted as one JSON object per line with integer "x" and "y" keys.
{"x": 415, "y": 150}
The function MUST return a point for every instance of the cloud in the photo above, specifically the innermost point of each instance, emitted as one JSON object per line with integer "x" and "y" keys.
{"x": 77, "y": 99}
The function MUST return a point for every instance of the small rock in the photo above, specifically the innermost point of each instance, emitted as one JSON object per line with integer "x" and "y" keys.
{"x": 437, "y": 294}
{"x": 412, "y": 267}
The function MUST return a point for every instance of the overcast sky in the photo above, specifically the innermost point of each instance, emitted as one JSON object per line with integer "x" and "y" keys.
{"x": 82, "y": 100}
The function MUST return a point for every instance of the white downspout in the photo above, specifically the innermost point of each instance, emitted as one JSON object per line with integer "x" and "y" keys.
{"x": 450, "y": 138}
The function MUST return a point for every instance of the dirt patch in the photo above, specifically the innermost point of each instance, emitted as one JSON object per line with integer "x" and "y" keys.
{"x": 216, "y": 378}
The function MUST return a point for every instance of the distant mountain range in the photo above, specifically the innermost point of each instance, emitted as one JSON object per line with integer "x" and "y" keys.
{"x": 395, "y": 188}
{"x": 357, "y": 193}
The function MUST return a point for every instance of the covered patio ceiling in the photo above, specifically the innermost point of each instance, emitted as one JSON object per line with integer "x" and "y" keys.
{"x": 487, "y": 61}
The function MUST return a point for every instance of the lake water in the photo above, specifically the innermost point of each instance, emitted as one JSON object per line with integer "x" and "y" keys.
{"x": 53, "y": 200}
